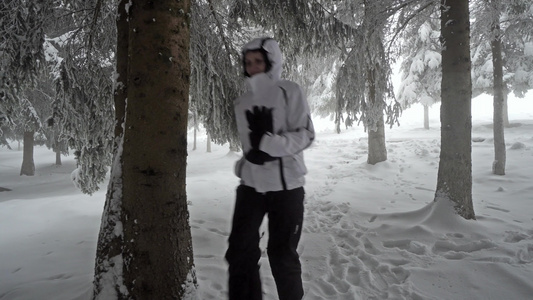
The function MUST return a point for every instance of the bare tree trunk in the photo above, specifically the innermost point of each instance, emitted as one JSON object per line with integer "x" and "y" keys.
{"x": 498, "y": 166}
{"x": 195, "y": 125}
{"x": 146, "y": 244}
{"x": 506, "y": 123}
{"x": 377, "y": 150}
{"x": 58, "y": 157}
{"x": 426, "y": 116}
{"x": 208, "y": 143}
{"x": 454, "y": 181}
{"x": 28, "y": 166}
{"x": 234, "y": 147}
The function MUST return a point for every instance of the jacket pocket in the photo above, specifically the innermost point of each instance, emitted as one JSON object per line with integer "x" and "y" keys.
{"x": 293, "y": 168}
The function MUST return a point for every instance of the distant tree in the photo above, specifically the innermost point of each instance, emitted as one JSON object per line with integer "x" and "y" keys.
{"x": 421, "y": 66}
{"x": 501, "y": 62}
{"x": 28, "y": 122}
{"x": 454, "y": 181}
{"x": 514, "y": 32}
{"x": 144, "y": 247}
{"x": 21, "y": 52}
{"x": 82, "y": 109}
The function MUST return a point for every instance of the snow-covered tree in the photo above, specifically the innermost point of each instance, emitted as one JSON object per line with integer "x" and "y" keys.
{"x": 216, "y": 74}
{"x": 501, "y": 64}
{"x": 421, "y": 65}
{"x": 454, "y": 181}
{"x": 21, "y": 51}
{"x": 82, "y": 109}
{"x": 515, "y": 22}
{"x": 29, "y": 122}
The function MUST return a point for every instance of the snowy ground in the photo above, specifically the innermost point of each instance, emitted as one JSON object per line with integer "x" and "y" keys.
{"x": 371, "y": 232}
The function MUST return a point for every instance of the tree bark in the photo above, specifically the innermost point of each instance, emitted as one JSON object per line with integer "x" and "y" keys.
{"x": 121, "y": 85}
{"x": 377, "y": 150}
{"x": 506, "y": 123}
{"x": 149, "y": 246}
{"x": 498, "y": 166}
{"x": 194, "y": 118}
{"x": 426, "y": 116}
{"x": 28, "y": 166}
{"x": 233, "y": 146}
{"x": 58, "y": 158}
{"x": 208, "y": 143}
{"x": 108, "y": 271}
{"x": 454, "y": 181}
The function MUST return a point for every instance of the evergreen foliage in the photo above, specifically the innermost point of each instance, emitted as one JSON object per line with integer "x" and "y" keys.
{"x": 421, "y": 66}
{"x": 82, "y": 109}
{"x": 216, "y": 78}
{"x": 21, "y": 51}
{"x": 516, "y": 21}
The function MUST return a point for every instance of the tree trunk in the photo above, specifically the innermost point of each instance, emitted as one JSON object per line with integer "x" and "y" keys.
{"x": 28, "y": 166}
{"x": 58, "y": 157}
{"x": 498, "y": 166}
{"x": 108, "y": 271}
{"x": 121, "y": 85}
{"x": 208, "y": 143}
{"x": 454, "y": 181}
{"x": 377, "y": 150}
{"x": 145, "y": 247}
{"x": 234, "y": 147}
{"x": 506, "y": 123}
{"x": 194, "y": 130}
{"x": 426, "y": 116}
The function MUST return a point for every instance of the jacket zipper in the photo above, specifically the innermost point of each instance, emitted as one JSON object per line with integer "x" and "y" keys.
{"x": 282, "y": 176}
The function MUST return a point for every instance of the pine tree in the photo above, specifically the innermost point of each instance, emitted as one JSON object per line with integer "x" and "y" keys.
{"x": 421, "y": 66}
{"x": 454, "y": 181}
{"x": 21, "y": 52}
{"x": 144, "y": 248}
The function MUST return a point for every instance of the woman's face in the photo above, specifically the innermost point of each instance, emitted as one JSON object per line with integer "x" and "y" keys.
{"x": 254, "y": 63}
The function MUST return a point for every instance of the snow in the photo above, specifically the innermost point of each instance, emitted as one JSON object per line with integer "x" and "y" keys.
{"x": 370, "y": 232}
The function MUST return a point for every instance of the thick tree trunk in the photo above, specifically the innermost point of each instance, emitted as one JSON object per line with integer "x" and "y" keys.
{"x": 454, "y": 181}
{"x": 28, "y": 166}
{"x": 377, "y": 150}
{"x": 145, "y": 247}
{"x": 498, "y": 166}
{"x": 108, "y": 271}
{"x": 426, "y": 116}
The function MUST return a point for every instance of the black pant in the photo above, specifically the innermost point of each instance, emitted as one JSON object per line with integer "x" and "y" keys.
{"x": 285, "y": 216}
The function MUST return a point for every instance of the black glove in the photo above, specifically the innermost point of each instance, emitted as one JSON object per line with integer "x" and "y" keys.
{"x": 258, "y": 157}
{"x": 259, "y": 122}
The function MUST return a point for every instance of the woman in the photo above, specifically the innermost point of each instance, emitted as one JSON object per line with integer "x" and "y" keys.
{"x": 275, "y": 127}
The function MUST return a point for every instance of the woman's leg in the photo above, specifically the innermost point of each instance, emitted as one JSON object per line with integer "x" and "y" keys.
{"x": 243, "y": 252}
{"x": 285, "y": 218}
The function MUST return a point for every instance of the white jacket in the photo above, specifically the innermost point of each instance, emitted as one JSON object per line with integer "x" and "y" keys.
{"x": 293, "y": 128}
